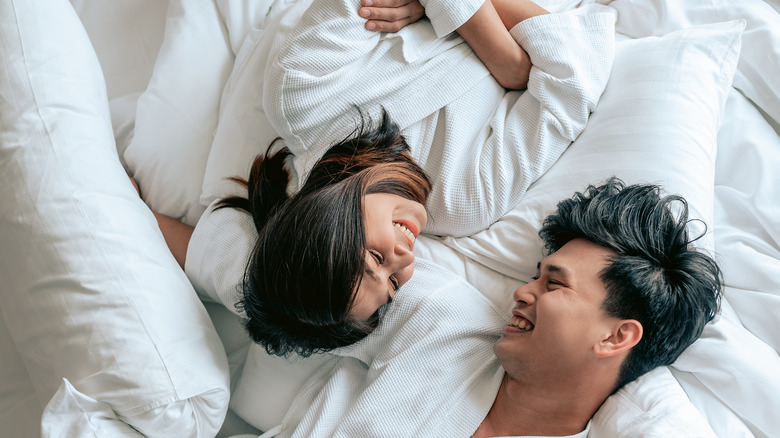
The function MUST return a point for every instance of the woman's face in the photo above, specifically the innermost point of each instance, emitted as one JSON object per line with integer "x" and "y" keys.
{"x": 392, "y": 225}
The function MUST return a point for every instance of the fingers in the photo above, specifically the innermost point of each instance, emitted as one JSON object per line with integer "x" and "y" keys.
{"x": 387, "y": 3}
{"x": 390, "y": 15}
{"x": 388, "y": 26}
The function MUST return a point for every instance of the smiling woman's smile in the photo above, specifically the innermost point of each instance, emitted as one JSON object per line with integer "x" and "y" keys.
{"x": 409, "y": 231}
{"x": 392, "y": 225}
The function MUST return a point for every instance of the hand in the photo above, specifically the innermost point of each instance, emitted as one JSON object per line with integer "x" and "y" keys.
{"x": 135, "y": 184}
{"x": 390, "y": 15}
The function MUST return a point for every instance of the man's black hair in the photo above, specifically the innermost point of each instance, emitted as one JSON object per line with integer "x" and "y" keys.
{"x": 658, "y": 277}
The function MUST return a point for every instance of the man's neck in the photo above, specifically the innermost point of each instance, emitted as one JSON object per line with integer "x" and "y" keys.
{"x": 526, "y": 409}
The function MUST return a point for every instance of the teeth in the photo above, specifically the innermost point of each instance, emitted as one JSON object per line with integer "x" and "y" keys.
{"x": 521, "y": 323}
{"x": 406, "y": 231}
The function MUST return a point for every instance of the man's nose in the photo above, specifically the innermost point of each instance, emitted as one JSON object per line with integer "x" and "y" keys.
{"x": 526, "y": 294}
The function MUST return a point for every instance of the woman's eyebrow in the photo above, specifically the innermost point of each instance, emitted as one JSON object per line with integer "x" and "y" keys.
{"x": 372, "y": 274}
{"x": 369, "y": 271}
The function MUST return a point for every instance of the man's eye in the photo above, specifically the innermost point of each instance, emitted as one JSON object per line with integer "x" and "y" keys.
{"x": 378, "y": 257}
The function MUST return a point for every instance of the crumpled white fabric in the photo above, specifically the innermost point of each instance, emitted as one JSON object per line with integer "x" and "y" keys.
{"x": 71, "y": 414}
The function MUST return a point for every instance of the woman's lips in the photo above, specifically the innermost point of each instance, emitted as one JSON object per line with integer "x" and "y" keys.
{"x": 408, "y": 229}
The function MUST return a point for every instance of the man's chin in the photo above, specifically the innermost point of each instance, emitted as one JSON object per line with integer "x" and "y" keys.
{"x": 500, "y": 348}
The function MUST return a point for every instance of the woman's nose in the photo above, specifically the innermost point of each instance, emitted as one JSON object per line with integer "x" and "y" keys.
{"x": 403, "y": 255}
{"x": 404, "y": 274}
{"x": 403, "y": 263}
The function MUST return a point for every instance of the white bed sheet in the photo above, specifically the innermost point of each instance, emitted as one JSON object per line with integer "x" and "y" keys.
{"x": 747, "y": 195}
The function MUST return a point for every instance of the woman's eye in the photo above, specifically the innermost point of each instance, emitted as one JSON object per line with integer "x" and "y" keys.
{"x": 394, "y": 281}
{"x": 378, "y": 257}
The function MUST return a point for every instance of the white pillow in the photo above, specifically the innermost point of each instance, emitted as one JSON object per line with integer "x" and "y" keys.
{"x": 90, "y": 291}
{"x": 178, "y": 112}
{"x": 20, "y": 410}
{"x": 759, "y": 62}
{"x": 126, "y": 35}
{"x": 749, "y": 237}
{"x": 729, "y": 369}
{"x": 242, "y": 16}
{"x": 654, "y": 405}
{"x": 244, "y": 130}
{"x": 656, "y": 122}
{"x": 268, "y": 385}
{"x": 94, "y": 418}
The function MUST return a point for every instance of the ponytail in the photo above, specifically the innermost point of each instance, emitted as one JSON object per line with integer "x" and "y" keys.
{"x": 266, "y": 187}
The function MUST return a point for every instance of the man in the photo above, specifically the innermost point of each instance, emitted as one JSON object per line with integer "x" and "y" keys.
{"x": 621, "y": 291}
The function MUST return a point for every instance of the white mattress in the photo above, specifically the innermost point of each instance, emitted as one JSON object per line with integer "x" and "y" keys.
{"x": 736, "y": 402}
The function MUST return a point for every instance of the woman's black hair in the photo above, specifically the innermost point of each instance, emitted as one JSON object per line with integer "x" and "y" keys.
{"x": 300, "y": 282}
{"x": 658, "y": 277}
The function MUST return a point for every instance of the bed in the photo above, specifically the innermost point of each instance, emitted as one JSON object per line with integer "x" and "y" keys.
{"x": 102, "y": 334}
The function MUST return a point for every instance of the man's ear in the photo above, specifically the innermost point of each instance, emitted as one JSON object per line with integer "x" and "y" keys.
{"x": 625, "y": 334}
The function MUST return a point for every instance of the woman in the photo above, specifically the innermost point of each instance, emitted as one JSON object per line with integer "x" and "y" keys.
{"x": 328, "y": 257}
{"x": 313, "y": 281}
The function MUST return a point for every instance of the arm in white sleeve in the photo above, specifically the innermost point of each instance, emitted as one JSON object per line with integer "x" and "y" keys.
{"x": 324, "y": 62}
{"x": 475, "y": 184}
{"x": 447, "y": 15}
{"x": 218, "y": 254}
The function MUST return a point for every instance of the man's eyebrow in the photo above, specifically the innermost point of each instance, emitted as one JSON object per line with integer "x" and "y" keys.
{"x": 554, "y": 268}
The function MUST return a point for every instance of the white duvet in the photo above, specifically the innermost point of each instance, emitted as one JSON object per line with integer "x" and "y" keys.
{"x": 668, "y": 116}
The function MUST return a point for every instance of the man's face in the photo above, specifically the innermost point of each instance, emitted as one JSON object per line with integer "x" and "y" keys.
{"x": 558, "y": 318}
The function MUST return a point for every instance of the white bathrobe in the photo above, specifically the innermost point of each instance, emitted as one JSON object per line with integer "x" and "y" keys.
{"x": 481, "y": 145}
